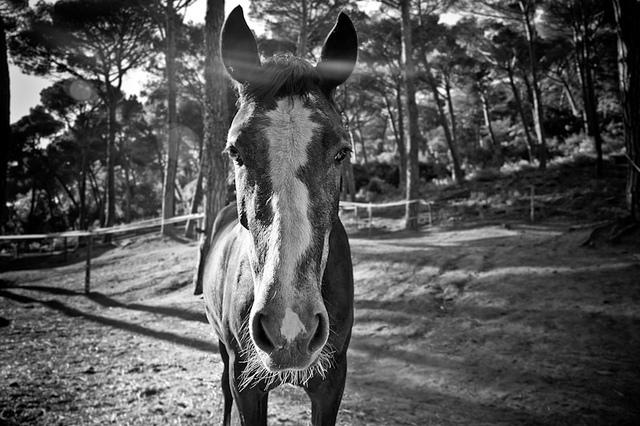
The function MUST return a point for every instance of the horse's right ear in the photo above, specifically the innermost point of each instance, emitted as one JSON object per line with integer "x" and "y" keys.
{"x": 239, "y": 48}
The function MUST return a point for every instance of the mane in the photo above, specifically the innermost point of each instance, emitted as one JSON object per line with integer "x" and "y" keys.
{"x": 282, "y": 75}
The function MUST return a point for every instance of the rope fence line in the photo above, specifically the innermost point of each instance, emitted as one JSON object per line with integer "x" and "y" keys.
{"x": 350, "y": 205}
{"x": 89, "y": 235}
{"x": 135, "y": 226}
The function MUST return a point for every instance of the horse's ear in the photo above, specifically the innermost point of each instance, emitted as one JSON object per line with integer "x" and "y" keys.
{"x": 339, "y": 53}
{"x": 239, "y": 48}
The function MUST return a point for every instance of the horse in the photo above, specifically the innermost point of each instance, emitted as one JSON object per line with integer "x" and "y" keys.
{"x": 278, "y": 279}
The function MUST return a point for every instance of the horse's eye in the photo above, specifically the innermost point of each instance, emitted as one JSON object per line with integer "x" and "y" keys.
{"x": 342, "y": 154}
{"x": 235, "y": 155}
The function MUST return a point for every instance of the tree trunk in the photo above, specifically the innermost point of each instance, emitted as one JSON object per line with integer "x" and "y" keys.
{"x": 412, "y": 191}
{"x": 171, "y": 165}
{"x": 538, "y": 113}
{"x": 402, "y": 146}
{"x": 362, "y": 143}
{"x": 520, "y": 108}
{"x": 216, "y": 124}
{"x": 348, "y": 181}
{"x": 301, "y": 48}
{"x": 348, "y": 178}
{"x": 97, "y": 198}
{"x": 111, "y": 159}
{"x": 5, "y": 123}
{"x": 495, "y": 147}
{"x": 67, "y": 190}
{"x": 83, "y": 189}
{"x": 582, "y": 44}
{"x": 51, "y": 205}
{"x": 627, "y": 14}
{"x": 128, "y": 189}
{"x": 198, "y": 194}
{"x": 452, "y": 116}
{"x": 34, "y": 199}
{"x": 566, "y": 89}
{"x": 458, "y": 176}
{"x": 383, "y": 137}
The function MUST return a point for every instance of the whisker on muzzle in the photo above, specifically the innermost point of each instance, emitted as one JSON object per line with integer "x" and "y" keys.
{"x": 255, "y": 372}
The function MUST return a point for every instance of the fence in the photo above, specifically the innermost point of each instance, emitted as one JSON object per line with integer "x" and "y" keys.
{"x": 158, "y": 222}
{"x": 370, "y": 207}
{"x": 91, "y": 234}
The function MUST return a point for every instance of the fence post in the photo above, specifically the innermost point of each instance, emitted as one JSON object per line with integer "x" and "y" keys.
{"x": 87, "y": 273}
{"x": 532, "y": 212}
{"x": 370, "y": 216}
{"x": 355, "y": 212}
{"x": 64, "y": 245}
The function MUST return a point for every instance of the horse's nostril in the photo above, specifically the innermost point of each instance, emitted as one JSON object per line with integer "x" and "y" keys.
{"x": 320, "y": 335}
{"x": 260, "y": 334}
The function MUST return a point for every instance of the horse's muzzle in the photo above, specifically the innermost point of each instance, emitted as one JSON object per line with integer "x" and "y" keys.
{"x": 290, "y": 342}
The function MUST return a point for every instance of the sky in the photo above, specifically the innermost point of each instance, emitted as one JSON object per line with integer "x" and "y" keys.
{"x": 25, "y": 89}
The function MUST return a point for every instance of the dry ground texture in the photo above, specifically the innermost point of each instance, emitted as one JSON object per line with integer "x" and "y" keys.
{"x": 485, "y": 323}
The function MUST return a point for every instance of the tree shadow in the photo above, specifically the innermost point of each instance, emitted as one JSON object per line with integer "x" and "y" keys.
{"x": 47, "y": 260}
{"x": 420, "y": 403}
{"x": 107, "y": 301}
{"x": 412, "y": 307}
{"x": 110, "y": 302}
{"x": 119, "y": 324}
{"x": 485, "y": 370}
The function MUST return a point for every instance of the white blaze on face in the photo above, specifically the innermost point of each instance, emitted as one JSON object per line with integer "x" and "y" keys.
{"x": 239, "y": 121}
{"x": 289, "y": 133}
{"x": 291, "y": 325}
{"x": 325, "y": 253}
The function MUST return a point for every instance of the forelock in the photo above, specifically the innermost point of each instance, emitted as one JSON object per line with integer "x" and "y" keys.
{"x": 280, "y": 76}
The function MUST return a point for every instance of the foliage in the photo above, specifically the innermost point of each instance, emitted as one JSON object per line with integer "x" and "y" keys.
{"x": 475, "y": 95}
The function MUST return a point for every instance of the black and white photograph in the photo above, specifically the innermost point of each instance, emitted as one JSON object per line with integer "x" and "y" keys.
{"x": 308, "y": 212}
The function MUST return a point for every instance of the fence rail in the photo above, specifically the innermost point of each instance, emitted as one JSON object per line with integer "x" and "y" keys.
{"x": 90, "y": 234}
{"x": 135, "y": 226}
{"x": 350, "y": 205}
{"x": 156, "y": 222}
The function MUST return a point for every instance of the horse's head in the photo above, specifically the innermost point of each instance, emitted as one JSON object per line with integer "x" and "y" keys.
{"x": 287, "y": 144}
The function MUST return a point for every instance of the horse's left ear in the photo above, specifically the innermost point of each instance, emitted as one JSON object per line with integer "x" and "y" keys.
{"x": 339, "y": 54}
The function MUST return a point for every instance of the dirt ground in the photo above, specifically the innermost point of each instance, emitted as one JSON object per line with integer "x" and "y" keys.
{"x": 477, "y": 324}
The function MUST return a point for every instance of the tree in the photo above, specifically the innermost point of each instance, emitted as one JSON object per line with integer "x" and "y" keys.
{"x": 216, "y": 123}
{"x": 82, "y": 115}
{"x": 411, "y": 211}
{"x": 581, "y": 19}
{"x": 5, "y": 119}
{"x": 167, "y": 17}
{"x": 439, "y": 54}
{"x": 8, "y": 11}
{"x": 305, "y": 21}
{"x": 627, "y": 16}
{"x": 91, "y": 40}
{"x": 523, "y": 12}
{"x": 502, "y": 48}
{"x": 32, "y": 172}
{"x": 381, "y": 53}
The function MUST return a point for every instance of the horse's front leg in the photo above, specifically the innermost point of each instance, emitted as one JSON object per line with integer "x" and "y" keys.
{"x": 225, "y": 384}
{"x": 326, "y": 395}
{"x": 250, "y": 402}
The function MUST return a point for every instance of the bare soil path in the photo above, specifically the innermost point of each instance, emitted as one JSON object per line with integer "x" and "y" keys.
{"x": 479, "y": 325}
